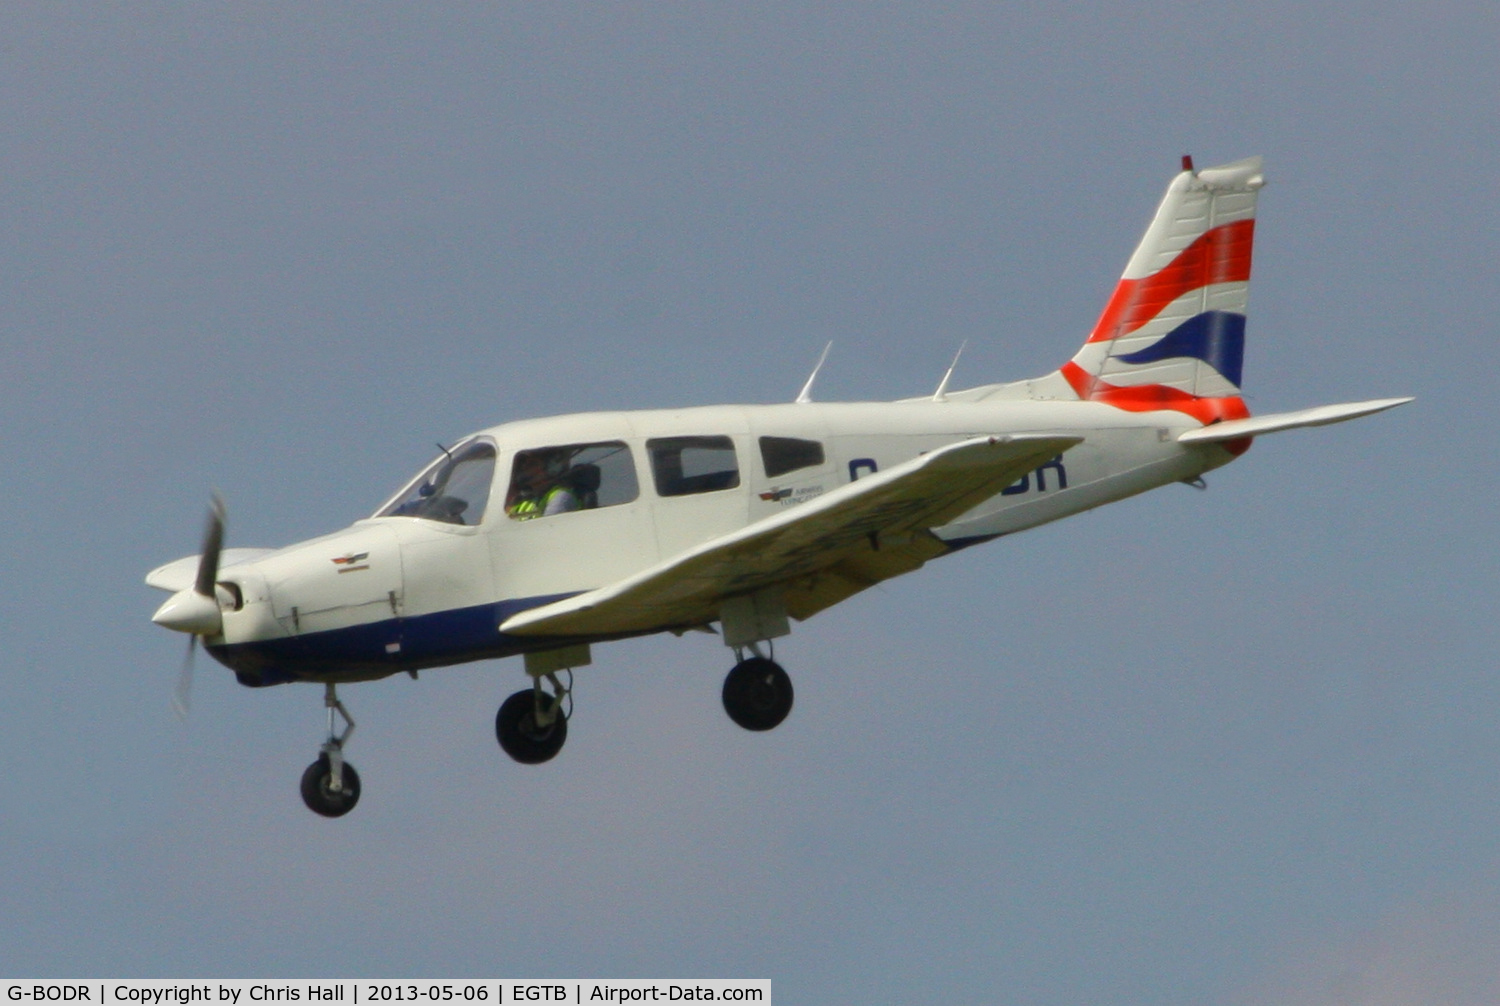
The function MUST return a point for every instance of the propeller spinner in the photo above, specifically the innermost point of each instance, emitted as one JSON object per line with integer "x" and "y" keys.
{"x": 195, "y": 610}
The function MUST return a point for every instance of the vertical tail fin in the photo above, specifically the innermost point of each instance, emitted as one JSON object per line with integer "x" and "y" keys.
{"x": 1172, "y": 336}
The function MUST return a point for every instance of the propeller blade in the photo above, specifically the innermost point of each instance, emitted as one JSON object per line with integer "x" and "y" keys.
{"x": 213, "y": 544}
{"x": 182, "y": 695}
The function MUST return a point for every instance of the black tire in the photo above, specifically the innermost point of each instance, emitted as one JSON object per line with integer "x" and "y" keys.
{"x": 517, "y": 731}
{"x": 757, "y": 694}
{"x": 319, "y": 795}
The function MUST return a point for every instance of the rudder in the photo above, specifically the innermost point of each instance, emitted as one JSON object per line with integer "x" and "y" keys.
{"x": 1172, "y": 335}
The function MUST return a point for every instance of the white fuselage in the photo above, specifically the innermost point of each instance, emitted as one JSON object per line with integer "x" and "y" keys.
{"x": 394, "y": 593}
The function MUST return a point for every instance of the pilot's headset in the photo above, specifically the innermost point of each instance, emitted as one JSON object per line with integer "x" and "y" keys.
{"x": 555, "y": 464}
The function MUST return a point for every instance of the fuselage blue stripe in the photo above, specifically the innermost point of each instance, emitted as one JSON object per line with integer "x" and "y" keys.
{"x": 389, "y": 646}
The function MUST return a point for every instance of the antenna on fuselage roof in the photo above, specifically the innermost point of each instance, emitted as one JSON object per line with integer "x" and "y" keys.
{"x": 806, "y": 395}
{"x": 940, "y": 395}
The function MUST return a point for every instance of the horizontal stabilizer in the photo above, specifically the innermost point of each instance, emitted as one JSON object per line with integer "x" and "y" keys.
{"x": 181, "y": 574}
{"x": 799, "y": 542}
{"x": 1235, "y": 429}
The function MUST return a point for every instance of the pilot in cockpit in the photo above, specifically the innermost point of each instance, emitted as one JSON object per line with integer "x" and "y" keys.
{"x": 540, "y": 487}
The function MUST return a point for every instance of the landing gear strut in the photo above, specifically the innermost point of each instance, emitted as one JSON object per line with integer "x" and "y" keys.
{"x": 330, "y": 786}
{"x": 757, "y": 692}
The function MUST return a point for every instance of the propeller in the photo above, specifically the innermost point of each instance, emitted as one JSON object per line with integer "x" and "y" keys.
{"x": 213, "y": 544}
{"x": 195, "y": 610}
{"x": 182, "y": 694}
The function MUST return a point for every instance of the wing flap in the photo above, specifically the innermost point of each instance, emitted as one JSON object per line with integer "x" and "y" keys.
{"x": 841, "y": 534}
{"x": 1322, "y": 415}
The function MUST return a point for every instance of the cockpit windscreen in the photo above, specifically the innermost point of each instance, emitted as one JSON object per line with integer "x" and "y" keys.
{"x": 454, "y": 489}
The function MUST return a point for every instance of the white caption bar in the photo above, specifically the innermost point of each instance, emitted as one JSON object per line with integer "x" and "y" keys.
{"x": 380, "y": 992}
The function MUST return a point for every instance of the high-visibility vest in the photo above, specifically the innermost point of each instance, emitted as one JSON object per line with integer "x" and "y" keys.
{"x": 531, "y": 508}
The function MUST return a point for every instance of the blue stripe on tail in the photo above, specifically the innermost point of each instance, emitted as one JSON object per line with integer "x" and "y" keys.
{"x": 1215, "y": 337}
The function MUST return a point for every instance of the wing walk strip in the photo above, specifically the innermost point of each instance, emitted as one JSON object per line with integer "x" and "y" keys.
{"x": 893, "y": 505}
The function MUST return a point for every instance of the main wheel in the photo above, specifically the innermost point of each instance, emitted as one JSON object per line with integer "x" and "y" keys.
{"x": 318, "y": 792}
{"x": 757, "y": 694}
{"x": 517, "y": 730}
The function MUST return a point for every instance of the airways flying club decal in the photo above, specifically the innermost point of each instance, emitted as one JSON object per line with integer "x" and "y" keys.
{"x": 353, "y": 562}
{"x": 788, "y": 496}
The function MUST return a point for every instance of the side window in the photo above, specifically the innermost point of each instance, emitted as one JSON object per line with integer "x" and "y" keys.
{"x": 551, "y": 480}
{"x": 787, "y": 454}
{"x": 682, "y": 466}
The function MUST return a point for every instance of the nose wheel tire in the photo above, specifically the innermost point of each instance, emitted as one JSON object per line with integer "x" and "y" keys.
{"x": 318, "y": 792}
{"x": 757, "y": 694}
{"x": 519, "y": 729}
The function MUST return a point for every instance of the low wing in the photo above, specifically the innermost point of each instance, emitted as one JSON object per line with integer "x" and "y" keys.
{"x": 1234, "y": 429}
{"x": 859, "y": 534}
{"x": 179, "y": 575}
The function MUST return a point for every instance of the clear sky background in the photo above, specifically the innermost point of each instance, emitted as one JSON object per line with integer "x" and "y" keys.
{"x": 1238, "y": 747}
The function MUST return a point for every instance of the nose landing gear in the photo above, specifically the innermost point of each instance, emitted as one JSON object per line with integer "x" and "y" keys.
{"x": 330, "y": 786}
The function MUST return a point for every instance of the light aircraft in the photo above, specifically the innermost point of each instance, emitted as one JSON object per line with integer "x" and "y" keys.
{"x": 546, "y": 536}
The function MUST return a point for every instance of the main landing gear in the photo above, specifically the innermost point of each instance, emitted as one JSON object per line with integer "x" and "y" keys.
{"x": 330, "y": 786}
{"x": 532, "y": 724}
{"x": 757, "y": 691}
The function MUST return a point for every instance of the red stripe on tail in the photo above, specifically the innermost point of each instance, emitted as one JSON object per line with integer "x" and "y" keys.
{"x": 1151, "y": 397}
{"x": 1220, "y": 255}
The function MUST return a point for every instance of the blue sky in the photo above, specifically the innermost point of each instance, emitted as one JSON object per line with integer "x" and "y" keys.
{"x": 1233, "y": 747}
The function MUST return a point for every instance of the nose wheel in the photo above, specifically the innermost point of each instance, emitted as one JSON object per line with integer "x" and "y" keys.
{"x": 320, "y": 793}
{"x": 330, "y": 786}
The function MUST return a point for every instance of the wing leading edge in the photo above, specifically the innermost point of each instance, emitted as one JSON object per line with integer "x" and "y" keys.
{"x": 821, "y": 551}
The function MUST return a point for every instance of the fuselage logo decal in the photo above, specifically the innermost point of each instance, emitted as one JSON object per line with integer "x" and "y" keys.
{"x": 791, "y": 497}
{"x": 353, "y": 562}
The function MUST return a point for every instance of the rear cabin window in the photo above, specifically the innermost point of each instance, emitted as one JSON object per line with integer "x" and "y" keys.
{"x": 787, "y": 454}
{"x": 683, "y": 466}
{"x": 548, "y": 481}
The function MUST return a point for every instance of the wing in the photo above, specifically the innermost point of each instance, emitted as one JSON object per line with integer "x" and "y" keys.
{"x": 821, "y": 551}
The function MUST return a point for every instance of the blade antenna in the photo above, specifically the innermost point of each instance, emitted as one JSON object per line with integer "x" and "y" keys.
{"x": 806, "y": 394}
{"x": 941, "y": 394}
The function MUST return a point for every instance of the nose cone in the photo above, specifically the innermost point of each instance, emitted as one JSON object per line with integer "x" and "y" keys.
{"x": 189, "y": 611}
